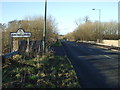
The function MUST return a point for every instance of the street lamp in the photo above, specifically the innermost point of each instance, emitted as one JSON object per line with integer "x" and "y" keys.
{"x": 44, "y": 31}
{"x": 99, "y": 23}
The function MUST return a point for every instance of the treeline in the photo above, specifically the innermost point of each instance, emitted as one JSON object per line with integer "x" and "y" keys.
{"x": 91, "y": 31}
{"x": 30, "y": 24}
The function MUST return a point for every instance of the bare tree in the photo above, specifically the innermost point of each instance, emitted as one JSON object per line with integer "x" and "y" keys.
{"x": 86, "y": 19}
{"x": 93, "y": 30}
{"x": 33, "y": 25}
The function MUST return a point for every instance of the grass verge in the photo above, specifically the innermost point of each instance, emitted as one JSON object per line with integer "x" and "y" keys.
{"x": 57, "y": 43}
{"x": 48, "y": 71}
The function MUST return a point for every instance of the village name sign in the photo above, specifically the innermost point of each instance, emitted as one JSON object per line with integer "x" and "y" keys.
{"x": 20, "y": 33}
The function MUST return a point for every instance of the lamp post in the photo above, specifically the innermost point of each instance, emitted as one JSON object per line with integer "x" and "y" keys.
{"x": 99, "y": 24}
{"x": 44, "y": 31}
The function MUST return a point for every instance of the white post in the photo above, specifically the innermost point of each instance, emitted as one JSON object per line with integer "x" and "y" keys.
{"x": 27, "y": 50}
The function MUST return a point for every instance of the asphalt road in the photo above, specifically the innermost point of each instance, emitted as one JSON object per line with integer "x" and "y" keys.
{"x": 95, "y": 67}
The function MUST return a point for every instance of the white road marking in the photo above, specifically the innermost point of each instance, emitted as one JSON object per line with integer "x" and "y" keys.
{"x": 108, "y": 56}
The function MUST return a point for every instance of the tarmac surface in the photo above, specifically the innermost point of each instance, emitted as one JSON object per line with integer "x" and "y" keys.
{"x": 95, "y": 67}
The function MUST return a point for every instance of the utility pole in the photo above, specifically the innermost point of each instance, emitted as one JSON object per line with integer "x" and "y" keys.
{"x": 44, "y": 31}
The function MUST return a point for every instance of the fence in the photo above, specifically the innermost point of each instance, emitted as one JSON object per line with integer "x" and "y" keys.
{"x": 34, "y": 47}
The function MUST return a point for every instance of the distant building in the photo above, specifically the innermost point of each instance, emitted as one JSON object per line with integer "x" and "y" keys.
{"x": 1, "y": 27}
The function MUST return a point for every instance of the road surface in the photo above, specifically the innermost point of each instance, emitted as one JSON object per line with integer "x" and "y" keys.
{"x": 95, "y": 67}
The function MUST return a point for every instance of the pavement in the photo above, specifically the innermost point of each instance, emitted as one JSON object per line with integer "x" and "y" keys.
{"x": 95, "y": 67}
{"x": 102, "y": 45}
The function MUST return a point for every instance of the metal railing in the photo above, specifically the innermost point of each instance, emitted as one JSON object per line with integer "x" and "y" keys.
{"x": 8, "y": 55}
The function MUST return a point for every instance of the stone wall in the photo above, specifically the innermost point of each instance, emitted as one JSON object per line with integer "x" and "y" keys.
{"x": 112, "y": 42}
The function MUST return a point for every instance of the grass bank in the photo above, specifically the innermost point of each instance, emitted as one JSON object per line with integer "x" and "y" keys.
{"x": 40, "y": 72}
{"x": 57, "y": 43}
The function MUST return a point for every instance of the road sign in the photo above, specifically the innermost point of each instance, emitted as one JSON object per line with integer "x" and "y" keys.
{"x": 20, "y": 33}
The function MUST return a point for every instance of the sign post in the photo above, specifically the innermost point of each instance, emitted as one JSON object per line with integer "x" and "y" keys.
{"x": 27, "y": 45}
{"x": 22, "y": 34}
